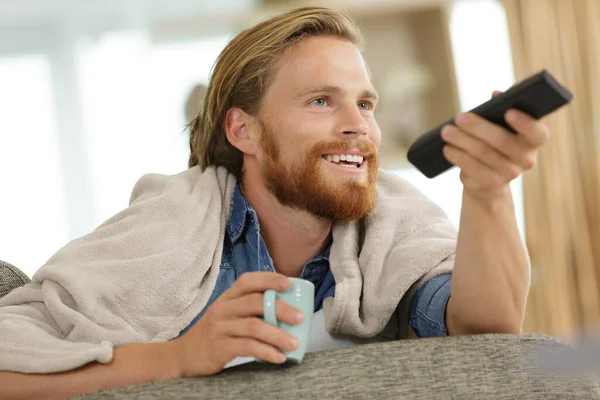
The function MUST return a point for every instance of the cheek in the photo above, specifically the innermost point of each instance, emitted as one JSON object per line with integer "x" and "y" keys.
{"x": 296, "y": 138}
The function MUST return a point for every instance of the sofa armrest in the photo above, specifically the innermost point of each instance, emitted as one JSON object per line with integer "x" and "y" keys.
{"x": 10, "y": 278}
{"x": 462, "y": 367}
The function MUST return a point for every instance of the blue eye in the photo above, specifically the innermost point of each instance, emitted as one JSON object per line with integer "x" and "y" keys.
{"x": 365, "y": 105}
{"x": 320, "y": 101}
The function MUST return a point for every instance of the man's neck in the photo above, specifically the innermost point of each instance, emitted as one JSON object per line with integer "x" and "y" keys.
{"x": 292, "y": 236}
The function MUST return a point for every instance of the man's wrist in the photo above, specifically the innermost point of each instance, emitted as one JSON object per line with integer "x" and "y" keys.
{"x": 491, "y": 201}
{"x": 169, "y": 353}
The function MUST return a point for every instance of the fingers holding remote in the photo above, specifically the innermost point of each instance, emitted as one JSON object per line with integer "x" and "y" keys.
{"x": 489, "y": 155}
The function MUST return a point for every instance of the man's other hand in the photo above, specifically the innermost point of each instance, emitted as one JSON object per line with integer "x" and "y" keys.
{"x": 233, "y": 327}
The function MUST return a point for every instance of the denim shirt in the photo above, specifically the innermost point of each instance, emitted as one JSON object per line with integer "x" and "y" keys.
{"x": 244, "y": 250}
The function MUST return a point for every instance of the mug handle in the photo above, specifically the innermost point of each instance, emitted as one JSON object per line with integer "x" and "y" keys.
{"x": 269, "y": 307}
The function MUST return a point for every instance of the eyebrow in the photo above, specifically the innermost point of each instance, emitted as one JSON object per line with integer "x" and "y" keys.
{"x": 367, "y": 93}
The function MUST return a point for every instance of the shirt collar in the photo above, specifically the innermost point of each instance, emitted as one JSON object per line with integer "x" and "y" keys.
{"x": 242, "y": 213}
{"x": 324, "y": 256}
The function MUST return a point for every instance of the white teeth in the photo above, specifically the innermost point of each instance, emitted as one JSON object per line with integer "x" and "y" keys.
{"x": 345, "y": 157}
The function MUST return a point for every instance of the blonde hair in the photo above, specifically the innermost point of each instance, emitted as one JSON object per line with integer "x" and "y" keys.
{"x": 242, "y": 74}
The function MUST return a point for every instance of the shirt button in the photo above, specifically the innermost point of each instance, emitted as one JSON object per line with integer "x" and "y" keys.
{"x": 266, "y": 267}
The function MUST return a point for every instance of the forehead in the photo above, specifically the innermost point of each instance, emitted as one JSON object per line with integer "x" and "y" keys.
{"x": 320, "y": 61}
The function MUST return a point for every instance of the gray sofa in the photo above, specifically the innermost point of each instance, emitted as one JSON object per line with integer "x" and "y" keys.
{"x": 464, "y": 367}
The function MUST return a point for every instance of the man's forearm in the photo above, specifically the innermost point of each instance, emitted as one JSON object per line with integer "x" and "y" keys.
{"x": 131, "y": 364}
{"x": 491, "y": 275}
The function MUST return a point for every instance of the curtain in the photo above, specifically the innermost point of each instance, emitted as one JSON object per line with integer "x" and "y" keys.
{"x": 562, "y": 193}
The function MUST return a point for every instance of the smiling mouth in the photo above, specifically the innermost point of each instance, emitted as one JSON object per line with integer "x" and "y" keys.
{"x": 346, "y": 160}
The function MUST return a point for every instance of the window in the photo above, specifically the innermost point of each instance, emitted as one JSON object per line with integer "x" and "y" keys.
{"x": 133, "y": 98}
{"x": 32, "y": 204}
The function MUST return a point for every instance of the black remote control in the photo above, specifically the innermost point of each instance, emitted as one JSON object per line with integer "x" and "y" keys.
{"x": 537, "y": 96}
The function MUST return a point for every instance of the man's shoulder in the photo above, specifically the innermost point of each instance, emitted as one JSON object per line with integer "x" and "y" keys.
{"x": 403, "y": 205}
{"x": 165, "y": 202}
{"x": 175, "y": 186}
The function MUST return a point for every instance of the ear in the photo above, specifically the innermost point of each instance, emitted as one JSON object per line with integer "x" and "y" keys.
{"x": 240, "y": 130}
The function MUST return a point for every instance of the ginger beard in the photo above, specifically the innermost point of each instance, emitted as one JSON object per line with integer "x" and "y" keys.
{"x": 303, "y": 184}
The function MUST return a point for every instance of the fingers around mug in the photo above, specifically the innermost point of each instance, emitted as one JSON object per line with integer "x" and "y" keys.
{"x": 258, "y": 329}
{"x": 288, "y": 313}
{"x": 249, "y": 347}
{"x": 252, "y": 282}
{"x": 252, "y": 305}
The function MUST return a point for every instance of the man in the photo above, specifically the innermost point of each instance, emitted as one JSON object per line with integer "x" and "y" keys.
{"x": 289, "y": 120}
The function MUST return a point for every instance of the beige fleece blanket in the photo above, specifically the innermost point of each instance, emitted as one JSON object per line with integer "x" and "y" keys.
{"x": 144, "y": 274}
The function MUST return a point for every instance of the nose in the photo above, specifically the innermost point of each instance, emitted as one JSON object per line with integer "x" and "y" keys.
{"x": 353, "y": 123}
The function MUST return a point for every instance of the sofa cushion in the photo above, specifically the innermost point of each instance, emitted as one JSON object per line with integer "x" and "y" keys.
{"x": 10, "y": 278}
{"x": 462, "y": 367}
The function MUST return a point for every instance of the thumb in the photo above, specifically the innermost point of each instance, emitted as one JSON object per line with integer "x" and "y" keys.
{"x": 496, "y": 93}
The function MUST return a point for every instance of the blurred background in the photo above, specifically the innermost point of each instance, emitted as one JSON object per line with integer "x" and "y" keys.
{"x": 95, "y": 94}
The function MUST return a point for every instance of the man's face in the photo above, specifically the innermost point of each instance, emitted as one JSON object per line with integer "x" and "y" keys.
{"x": 319, "y": 138}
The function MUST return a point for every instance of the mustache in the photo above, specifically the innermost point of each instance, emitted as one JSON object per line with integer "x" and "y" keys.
{"x": 364, "y": 146}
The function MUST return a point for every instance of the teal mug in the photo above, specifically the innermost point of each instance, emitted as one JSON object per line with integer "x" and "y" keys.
{"x": 301, "y": 294}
